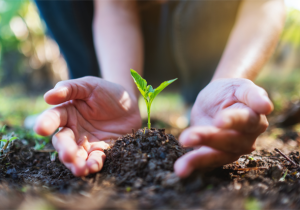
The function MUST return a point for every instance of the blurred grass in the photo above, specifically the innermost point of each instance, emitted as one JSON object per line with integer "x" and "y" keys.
{"x": 282, "y": 87}
{"x": 15, "y": 108}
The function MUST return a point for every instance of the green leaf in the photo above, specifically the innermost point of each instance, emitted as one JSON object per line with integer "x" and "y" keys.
{"x": 4, "y": 140}
{"x": 160, "y": 88}
{"x": 39, "y": 146}
{"x": 147, "y": 91}
{"x": 140, "y": 82}
{"x": 13, "y": 138}
{"x": 150, "y": 89}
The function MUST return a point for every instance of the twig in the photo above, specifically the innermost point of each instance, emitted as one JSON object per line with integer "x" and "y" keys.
{"x": 4, "y": 147}
{"x": 286, "y": 157}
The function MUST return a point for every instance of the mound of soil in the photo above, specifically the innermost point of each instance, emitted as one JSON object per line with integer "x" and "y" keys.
{"x": 143, "y": 159}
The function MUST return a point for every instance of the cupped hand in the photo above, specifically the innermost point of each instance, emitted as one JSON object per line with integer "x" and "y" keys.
{"x": 90, "y": 112}
{"x": 226, "y": 119}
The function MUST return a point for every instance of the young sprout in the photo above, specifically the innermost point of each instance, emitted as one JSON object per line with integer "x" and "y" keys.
{"x": 6, "y": 142}
{"x": 53, "y": 156}
{"x": 39, "y": 146}
{"x": 250, "y": 158}
{"x": 147, "y": 91}
{"x": 282, "y": 179}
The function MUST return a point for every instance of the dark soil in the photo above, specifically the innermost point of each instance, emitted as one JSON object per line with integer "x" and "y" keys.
{"x": 143, "y": 159}
{"x": 138, "y": 174}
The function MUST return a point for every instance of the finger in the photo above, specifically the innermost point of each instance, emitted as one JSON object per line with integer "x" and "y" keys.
{"x": 50, "y": 120}
{"x": 255, "y": 97}
{"x": 95, "y": 161}
{"x": 64, "y": 143}
{"x": 221, "y": 139}
{"x": 96, "y": 156}
{"x": 69, "y": 90}
{"x": 202, "y": 158}
{"x": 78, "y": 167}
{"x": 243, "y": 120}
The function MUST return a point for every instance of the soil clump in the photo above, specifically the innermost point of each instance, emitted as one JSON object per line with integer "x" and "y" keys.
{"x": 143, "y": 158}
{"x": 138, "y": 174}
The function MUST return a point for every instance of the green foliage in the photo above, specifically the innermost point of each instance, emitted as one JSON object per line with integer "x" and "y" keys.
{"x": 291, "y": 31}
{"x": 21, "y": 32}
{"x": 250, "y": 158}
{"x": 6, "y": 140}
{"x": 10, "y": 140}
{"x": 8, "y": 10}
{"x": 3, "y": 130}
{"x": 148, "y": 92}
{"x": 39, "y": 146}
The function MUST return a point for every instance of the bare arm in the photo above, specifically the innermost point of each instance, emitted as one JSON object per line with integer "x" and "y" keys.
{"x": 230, "y": 113}
{"x": 118, "y": 41}
{"x": 253, "y": 39}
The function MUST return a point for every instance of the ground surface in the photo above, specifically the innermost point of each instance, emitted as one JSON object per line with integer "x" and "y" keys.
{"x": 138, "y": 174}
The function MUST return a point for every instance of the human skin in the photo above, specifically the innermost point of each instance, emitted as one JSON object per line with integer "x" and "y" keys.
{"x": 227, "y": 116}
{"x": 230, "y": 113}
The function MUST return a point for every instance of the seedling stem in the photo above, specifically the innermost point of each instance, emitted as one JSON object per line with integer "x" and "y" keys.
{"x": 148, "y": 92}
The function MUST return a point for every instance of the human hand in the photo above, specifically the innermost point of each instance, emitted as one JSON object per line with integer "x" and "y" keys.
{"x": 90, "y": 111}
{"x": 226, "y": 119}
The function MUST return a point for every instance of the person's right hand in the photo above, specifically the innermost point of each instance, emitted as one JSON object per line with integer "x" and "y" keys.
{"x": 90, "y": 111}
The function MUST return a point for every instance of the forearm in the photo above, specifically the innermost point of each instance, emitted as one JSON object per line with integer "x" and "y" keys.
{"x": 252, "y": 40}
{"x": 118, "y": 41}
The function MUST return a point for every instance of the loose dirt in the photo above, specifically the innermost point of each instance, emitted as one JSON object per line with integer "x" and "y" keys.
{"x": 138, "y": 174}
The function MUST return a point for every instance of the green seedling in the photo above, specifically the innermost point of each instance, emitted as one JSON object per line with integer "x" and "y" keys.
{"x": 53, "y": 156}
{"x": 282, "y": 179}
{"x": 39, "y": 146}
{"x": 6, "y": 142}
{"x": 148, "y": 92}
{"x": 250, "y": 158}
{"x": 10, "y": 140}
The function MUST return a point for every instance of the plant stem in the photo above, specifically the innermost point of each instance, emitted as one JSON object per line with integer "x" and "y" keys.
{"x": 148, "y": 112}
{"x": 149, "y": 123}
{"x": 4, "y": 147}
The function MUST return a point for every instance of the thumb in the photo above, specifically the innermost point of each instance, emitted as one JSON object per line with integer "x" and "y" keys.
{"x": 70, "y": 90}
{"x": 254, "y": 97}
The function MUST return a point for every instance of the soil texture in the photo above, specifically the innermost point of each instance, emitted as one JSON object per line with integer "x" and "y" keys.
{"x": 138, "y": 174}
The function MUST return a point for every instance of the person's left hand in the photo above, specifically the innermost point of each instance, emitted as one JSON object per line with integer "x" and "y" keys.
{"x": 226, "y": 119}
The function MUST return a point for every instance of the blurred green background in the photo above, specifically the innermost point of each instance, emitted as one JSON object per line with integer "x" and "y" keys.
{"x": 31, "y": 63}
